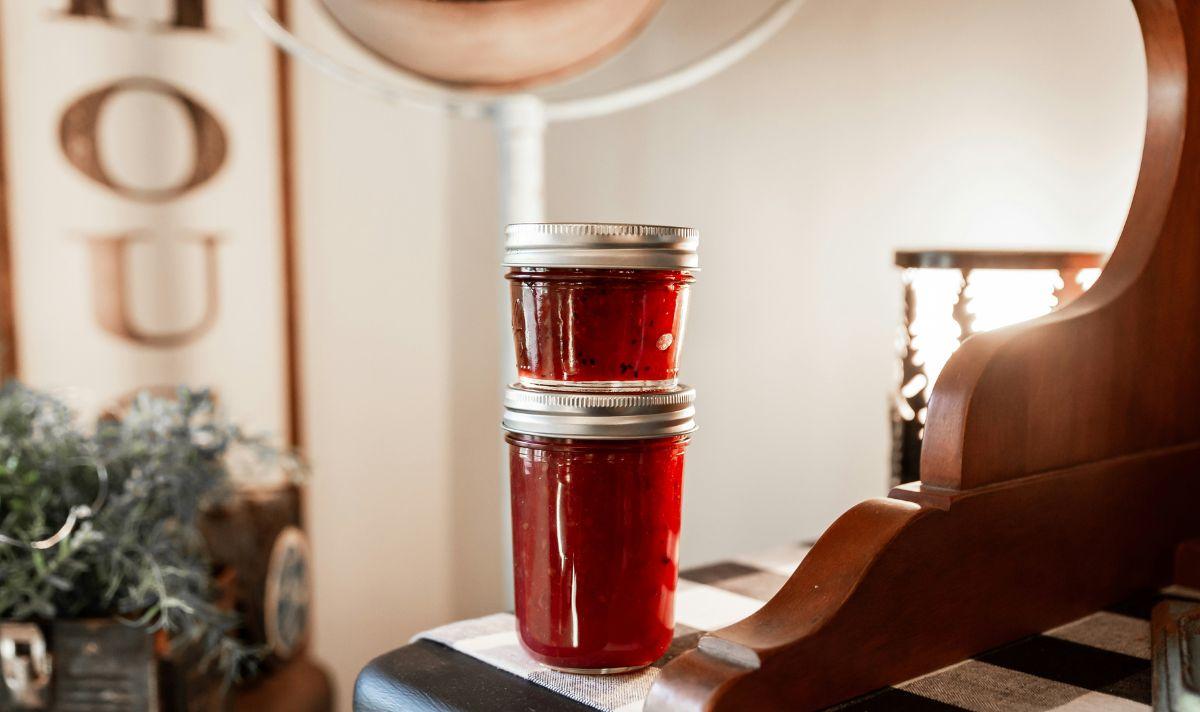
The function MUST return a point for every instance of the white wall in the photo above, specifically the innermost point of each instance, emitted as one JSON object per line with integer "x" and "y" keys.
{"x": 374, "y": 328}
{"x": 868, "y": 125}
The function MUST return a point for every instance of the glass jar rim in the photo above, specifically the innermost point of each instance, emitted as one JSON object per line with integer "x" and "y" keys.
{"x": 527, "y": 440}
{"x": 615, "y": 273}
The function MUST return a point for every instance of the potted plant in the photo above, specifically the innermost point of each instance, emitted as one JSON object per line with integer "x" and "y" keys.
{"x": 106, "y": 586}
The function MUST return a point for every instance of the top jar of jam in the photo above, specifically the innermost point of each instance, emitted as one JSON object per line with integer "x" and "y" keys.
{"x": 599, "y": 306}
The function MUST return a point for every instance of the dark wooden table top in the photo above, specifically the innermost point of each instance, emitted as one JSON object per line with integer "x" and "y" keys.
{"x": 1104, "y": 656}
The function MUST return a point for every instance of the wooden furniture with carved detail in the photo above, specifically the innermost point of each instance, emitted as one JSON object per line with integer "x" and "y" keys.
{"x": 1060, "y": 475}
{"x": 1060, "y": 472}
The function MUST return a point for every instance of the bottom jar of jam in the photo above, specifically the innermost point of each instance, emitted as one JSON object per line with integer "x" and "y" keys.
{"x": 596, "y": 492}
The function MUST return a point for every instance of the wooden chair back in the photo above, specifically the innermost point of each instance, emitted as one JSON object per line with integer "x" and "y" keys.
{"x": 1060, "y": 471}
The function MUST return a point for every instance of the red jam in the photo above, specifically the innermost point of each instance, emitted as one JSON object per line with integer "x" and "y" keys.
{"x": 595, "y": 542}
{"x": 610, "y": 329}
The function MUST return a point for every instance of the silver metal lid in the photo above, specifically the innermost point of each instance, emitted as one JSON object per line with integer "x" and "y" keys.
{"x": 599, "y": 416}
{"x": 601, "y": 245}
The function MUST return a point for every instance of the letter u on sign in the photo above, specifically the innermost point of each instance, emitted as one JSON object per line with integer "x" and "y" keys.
{"x": 111, "y": 291}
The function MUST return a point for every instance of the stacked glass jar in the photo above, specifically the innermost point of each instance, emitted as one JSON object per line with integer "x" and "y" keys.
{"x": 597, "y": 428}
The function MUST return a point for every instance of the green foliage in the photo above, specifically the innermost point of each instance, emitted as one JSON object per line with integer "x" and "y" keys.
{"x": 140, "y": 555}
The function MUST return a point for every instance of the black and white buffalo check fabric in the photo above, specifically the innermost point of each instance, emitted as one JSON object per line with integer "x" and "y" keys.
{"x": 1101, "y": 662}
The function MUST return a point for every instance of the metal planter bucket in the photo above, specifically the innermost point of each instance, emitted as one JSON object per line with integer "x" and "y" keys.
{"x": 94, "y": 665}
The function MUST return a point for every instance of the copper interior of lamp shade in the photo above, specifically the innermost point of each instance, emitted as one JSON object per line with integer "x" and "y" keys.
{"x": 492, "y": 44}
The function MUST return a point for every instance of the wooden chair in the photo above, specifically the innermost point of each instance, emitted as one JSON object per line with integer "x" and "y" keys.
{"x": 1060, "y": 473}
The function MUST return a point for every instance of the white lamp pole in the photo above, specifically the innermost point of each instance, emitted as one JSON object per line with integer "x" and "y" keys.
{"x": 520, "y": 121}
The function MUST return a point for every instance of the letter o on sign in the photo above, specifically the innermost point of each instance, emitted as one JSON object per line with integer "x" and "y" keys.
{"x": 78, "y": 136}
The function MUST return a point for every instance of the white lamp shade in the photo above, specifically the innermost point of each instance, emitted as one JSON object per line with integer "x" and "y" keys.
{"x": 500, "y": 44}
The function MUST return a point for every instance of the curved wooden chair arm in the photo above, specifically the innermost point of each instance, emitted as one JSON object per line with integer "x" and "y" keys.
{"x": 1060, "y": 471}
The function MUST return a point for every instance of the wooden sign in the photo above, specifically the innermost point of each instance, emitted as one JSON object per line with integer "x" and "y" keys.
{"x": 148, "y": 221}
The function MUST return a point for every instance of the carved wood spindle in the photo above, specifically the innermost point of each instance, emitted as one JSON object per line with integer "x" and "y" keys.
{"x": 907, "y": 426}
